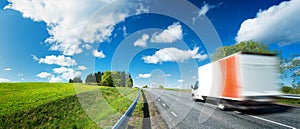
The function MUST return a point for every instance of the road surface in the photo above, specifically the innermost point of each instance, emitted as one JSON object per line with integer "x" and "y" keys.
{"x": 179, "y": 111}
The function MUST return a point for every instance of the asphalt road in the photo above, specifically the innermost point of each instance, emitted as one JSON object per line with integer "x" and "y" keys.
{"x": 179, "y": 111}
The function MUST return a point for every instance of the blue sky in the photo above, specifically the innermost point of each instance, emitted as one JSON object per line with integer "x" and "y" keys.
{"x": 156, "y": 41}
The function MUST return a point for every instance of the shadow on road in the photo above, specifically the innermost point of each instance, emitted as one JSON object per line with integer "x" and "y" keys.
{"x": 268, "y": 109}
{"x": 146, "y": 119}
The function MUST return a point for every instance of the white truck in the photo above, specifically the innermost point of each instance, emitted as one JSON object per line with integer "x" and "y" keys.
{"x": 241, "y": 80}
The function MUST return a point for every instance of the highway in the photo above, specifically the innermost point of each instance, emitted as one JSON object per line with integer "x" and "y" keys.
{"x": 180, "y": 112}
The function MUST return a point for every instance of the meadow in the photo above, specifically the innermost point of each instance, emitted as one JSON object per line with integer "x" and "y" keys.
{"x": 63, "y": 105}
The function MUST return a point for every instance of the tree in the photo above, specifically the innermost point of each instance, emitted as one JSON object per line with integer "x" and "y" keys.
{"x": 291, "y": 67}
{"x": 286, "y": 89}
{"x": 77, "y": 80}
{"x": 161, "y": 87}
{"x": 107, "y": 79}
{"x": 129, "y": 81}
{"x": 244, "y": 46}
{"x": 116, "y": 78}
{"x": 71, "y": 81}
{"x": 146, "y": 86}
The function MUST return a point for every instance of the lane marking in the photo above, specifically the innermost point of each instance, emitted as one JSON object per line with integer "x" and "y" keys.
{"x": 174, "y": 114}
{"x": 164, "y": 104}
{"x": 272, "y": 122}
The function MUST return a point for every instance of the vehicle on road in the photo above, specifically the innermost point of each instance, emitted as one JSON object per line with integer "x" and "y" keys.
{"x": 243, "y": 80}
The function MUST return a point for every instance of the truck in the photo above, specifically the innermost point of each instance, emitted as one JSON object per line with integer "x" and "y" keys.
{"x": 242, "y": 80}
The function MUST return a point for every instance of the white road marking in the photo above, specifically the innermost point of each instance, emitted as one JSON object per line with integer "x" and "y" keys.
{"x": 272, "y": 122}
{"x": 174, "y": 114}
{"x": 158, "y": 99}
{"x": 163, "y": 104}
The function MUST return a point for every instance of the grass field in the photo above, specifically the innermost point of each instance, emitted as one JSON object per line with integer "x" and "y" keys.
{"x": 53, "y": 105}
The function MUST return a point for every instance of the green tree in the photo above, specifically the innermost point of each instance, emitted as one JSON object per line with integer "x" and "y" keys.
{"x": 107, "y": 79}
{"x": 161, "y": 87}
{"x": 290, "y": 67}
{"x": 129, "y": 81}
{"x": 244, "y": 46}
{"x": 71, "y": 81}
{"x": 286, "y": 89}
{"x": 77, "y": 80}
{"x": 116, "y": 78}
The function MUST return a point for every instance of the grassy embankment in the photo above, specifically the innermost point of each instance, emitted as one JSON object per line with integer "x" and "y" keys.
{"x": 52, "y": 105}
{"x": 295, "y": 102}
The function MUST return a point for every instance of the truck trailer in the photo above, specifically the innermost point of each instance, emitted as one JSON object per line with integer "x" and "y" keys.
{"x": 242, "y": 80}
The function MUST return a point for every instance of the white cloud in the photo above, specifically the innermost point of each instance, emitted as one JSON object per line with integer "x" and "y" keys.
{"x": 20, "y": 74}
{"x": 67, "y": 73}
{"x": 34, "y": 57}
{"x": 173, "y": 55}
{"x": 147, "y": 75}
{"x": 60, "y": 60}
{"x": 65, "y": 20}
{"x": 181, "y": 81}
{"x": 278, "y": 24}
{"x": 81, "y": 67}
{"x": 194, "y": 77}
{"x": 142, "y": 9}
{"x": 168, "y": 75}
{"x": 55, "y": 79}
{"x": 297, "y": 58}
{"x": 7, "y": 69}
{"x": 171, "y": 34}
{"x": 4, "y": 80}
{"x": 98, "y": 54}
{"x": 204, "y": 9}
{"x": 70, "y": 74}
{"x": 44, "y": 75}
{"x": 60, "y": 70}
{"x": 87, "y": 46}
{"x": 142, "y": 42}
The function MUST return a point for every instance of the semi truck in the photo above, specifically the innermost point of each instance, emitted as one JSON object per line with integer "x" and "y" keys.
{"x": 243, "y": 80}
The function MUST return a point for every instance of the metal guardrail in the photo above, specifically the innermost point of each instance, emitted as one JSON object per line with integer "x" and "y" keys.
{"x": 122, "y": 122}
{"x": 290, "y": 96}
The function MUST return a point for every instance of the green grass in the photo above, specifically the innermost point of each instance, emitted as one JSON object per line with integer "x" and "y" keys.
{"x": 53, "y": 105}
{"x": 295, "y": 102}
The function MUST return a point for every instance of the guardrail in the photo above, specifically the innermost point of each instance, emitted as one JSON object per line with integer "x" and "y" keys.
{"x": 122, "y": 122}
{"x": 290, "y": 96}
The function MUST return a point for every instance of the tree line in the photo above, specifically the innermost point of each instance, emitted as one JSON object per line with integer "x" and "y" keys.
{"x": 107, "y": 78}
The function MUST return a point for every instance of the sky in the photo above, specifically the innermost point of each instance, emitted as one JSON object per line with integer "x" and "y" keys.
{"x": 157, "y": 42}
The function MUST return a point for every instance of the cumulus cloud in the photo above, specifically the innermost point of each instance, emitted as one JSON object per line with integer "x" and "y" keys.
{"x": 44, "y": 75}
{"x": 98, "y": 54}
{"x": 142, "y": 42}
{"x": 181, "y": 81}
{"x": 70, "y": 74}
{"x": 171, "y": 34}
{"x": 277, "y": 24}
{"x": 60, "y": 60}
{"x": 147, "y": 75}
{"x": 174, "y": 55}
{"x": 65, "y": 20}
{"x": 4, "y": 80}
{"x": 7, "y": 69}
{"x": 81, "y": 67}
{"x": 66, "y": 73}
{"x": 55, "y": 79}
